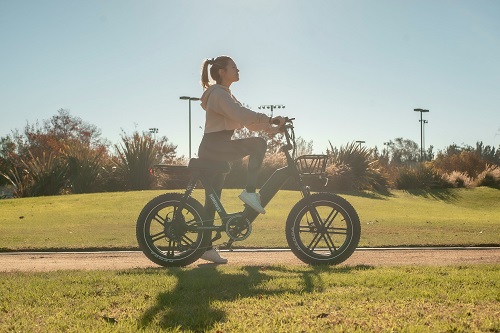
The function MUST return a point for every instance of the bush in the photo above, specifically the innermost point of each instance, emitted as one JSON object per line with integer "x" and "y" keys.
{"x": 489, "y": 177}
{"x": 38, "y": 176}
{"x": 353, "y": 168}
{"x": 457, "y": 179}
{"x": 84, "y": 165}
{"x": 136, "y": 155}
{"x": 422, "y": 177}
{"x": 469, "y": 162}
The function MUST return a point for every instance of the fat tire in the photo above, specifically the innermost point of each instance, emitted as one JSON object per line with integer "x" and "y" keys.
{"x": 337, "y": 209}
{"x": 171, "y": 254}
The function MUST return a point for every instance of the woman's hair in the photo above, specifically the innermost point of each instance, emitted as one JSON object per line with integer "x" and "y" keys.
{"x": 216, "y": 64}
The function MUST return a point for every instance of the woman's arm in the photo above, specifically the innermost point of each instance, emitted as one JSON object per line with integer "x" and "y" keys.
{"x": 233, "y": 110}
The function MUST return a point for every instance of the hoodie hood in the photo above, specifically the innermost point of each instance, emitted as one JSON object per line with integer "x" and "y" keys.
{"x": 204, "y": 98}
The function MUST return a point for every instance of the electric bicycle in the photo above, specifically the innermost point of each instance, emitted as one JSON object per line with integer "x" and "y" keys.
{"x": 321, "y": 229}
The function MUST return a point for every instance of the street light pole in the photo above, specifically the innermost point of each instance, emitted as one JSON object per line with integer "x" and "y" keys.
{"x": 359, "y": 142}
{"x": 421, "y": 133}
{"x": 272, "y": 107}
{"x": 189, "y": 99}
{"x": 153, "y": 130}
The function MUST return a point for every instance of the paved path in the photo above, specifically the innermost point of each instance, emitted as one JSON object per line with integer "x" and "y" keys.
{"x": 39, "y": 261}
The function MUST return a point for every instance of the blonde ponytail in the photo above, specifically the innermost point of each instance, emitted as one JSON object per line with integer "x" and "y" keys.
{"x": 216, "y": 64}
{"x": 205, "y": 80}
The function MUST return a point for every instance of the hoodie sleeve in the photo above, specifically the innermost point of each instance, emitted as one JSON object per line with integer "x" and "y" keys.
{"x": 232, "y": 109}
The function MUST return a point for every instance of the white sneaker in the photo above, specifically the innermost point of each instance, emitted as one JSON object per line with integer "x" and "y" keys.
{"x": 213, "y": 256}
{"x": 253, "y": 200}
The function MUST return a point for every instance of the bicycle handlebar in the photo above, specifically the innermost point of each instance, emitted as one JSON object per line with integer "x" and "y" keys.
{"x": 287, "y": 129}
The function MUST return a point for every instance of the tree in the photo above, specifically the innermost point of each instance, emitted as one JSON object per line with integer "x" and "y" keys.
{"x": 403, "y": 151}
{"x": 7, "y": 152}
{"x": 36, "y": 160}
{"x": 468, "y": 159}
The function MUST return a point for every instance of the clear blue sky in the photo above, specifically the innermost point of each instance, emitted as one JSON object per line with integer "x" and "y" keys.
{"x": 346, "y": 70}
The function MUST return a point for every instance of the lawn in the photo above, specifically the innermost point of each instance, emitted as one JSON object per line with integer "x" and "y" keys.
{"x": 277, "y": 298}
{"x": 254, "y": 299}
{"x": 107, "y": 220}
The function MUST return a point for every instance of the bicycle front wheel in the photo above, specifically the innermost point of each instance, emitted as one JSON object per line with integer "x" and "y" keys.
{"x": 172, "y": 241}
{"x": 330, "y": 240}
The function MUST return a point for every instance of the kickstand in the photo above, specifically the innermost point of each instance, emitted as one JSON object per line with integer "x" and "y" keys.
{"x": 229, "y": 245}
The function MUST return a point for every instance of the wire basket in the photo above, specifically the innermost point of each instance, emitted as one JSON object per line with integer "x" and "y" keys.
{"x": 311, "y": 165}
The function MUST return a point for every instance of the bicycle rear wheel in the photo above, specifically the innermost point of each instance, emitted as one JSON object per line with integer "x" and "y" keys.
{"x": 169, "y": 242}
{"x": 335, "y": 237}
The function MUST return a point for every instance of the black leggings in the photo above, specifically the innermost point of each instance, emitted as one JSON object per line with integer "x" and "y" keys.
{"x": 218, "y": 146}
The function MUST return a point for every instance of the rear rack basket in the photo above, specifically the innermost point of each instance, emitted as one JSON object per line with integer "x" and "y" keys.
{"x": 311, "y": 165}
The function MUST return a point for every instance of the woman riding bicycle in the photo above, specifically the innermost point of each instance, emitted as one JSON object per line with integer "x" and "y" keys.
{"x": 224, "y": 114}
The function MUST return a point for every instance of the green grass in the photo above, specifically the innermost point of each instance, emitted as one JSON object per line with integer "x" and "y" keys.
{"x": 107, "y": 220}
{"x": 254, "y": 299}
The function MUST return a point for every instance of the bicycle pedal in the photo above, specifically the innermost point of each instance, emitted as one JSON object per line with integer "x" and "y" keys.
{"x": 217, "y": 236}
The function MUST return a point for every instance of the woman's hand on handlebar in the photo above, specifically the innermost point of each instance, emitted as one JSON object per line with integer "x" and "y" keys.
{"x": 276, "y": 125}
{"x": 278, "y": 120}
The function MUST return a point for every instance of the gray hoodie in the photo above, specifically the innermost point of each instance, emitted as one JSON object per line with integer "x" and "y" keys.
{"x": 225, "y": 112}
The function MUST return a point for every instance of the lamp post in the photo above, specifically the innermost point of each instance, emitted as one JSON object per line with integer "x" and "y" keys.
{"x": 187, "y": 98}
{"x": 153, "y": 130}
{"x": 422, "y": 158}
{"x": 423, "y": 132}
{"x": 272, "y": 107}
{"x": 359, "y": 142}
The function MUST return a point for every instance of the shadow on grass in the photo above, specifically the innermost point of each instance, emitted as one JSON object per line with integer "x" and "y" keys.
{"x": 368, "y": 195}
{"x": 447, "y": 195}
{"x": 197, "y": 302}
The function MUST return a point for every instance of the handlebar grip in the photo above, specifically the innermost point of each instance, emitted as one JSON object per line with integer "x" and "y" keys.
{"x": 277, "y": 122}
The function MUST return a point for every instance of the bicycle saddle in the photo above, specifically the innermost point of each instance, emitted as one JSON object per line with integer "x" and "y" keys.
{"x": 209, "y": 165}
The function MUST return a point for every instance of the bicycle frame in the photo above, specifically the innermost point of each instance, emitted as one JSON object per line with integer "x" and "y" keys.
{"x": 267, "y": 191}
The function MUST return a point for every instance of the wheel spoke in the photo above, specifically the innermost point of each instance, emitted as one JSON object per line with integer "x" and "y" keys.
{"x": 322, "y": 237}
{"x": 307, "y": 228}
{"x": 157, "y": 236}
{"x": 337, "y": 231}
{"x": 329, "y": 242}
{"x": 315, "y": 241}
{"x": 329, "y": 230}
{"x": 159, "y": 219}
{"x": 330, "y": 219}
{"x": 314, "y": 212}
{"x": 323, "y": 229}
{"x": 187, "y": 240}
{"x": 191, "y": 222}
{"x": 170, "y": 249}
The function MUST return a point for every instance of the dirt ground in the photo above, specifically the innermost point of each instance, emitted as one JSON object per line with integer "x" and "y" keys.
{"x": 40, "y": 262}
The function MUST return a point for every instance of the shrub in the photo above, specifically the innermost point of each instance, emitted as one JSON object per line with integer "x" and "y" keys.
{"x": 19, "y": 181}
{"x": 47, "y": 175}
{"x": 469, "y": 162}
{"x": 457, "y": 179}
{"x": 340, "y": 177}
{"x": 84, "y": 165}
{"x": 353, "y": 168}
{"x": 421, "y": 177}
{"x": 38, "y": 176}
{"x": 136, "y": 155}
{"x": 489, "y": 177}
